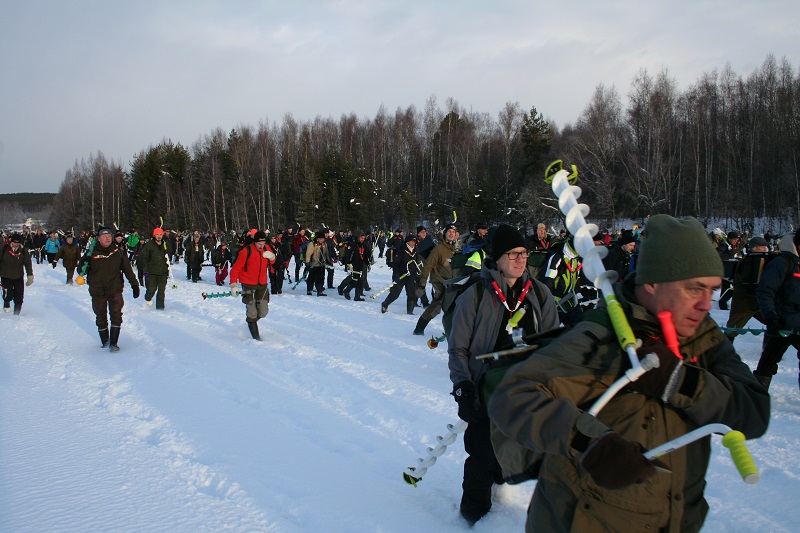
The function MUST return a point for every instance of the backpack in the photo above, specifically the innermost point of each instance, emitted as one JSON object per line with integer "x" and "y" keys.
{"x": 518, "y": 463}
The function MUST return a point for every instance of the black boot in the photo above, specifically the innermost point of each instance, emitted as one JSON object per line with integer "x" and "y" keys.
{"x": 103, "y": 337}
{"x": 253, "y": 327}
{"x": 113, "y": 339}
{"x": 347, "y": 293}
{"x": 17, "y": 309}
{"x": 421, "y": 323}
{"x": 410, "y": 305}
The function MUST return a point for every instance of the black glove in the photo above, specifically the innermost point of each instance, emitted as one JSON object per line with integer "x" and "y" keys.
{"x": 659, "y": 382}
{"x": 615, "y": 463}
{"x": 464, "y": 393}
{"x": 135, "y": 290}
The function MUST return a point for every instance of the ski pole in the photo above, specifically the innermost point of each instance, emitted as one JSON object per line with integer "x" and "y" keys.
{"x": 413, "y": 474}
{"x": 593, "y": 268}
{"x": 732, "y": 439}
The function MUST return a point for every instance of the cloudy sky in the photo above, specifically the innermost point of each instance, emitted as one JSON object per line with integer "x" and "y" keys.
{"x": 114, "y": 76}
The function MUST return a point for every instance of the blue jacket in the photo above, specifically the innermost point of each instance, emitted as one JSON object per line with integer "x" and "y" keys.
{"x": 52, "y": 246}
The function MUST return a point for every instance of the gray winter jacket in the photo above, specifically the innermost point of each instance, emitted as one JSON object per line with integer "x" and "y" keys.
{"x": 475, "y": 332}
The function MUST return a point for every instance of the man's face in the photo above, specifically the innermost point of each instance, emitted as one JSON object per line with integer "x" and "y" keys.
{"x": 629, "y": 247}
{"x": 422, "y": 234}
{"x": 689, "y": 301}
{"x": 411, "y": 244}
{"x": 450, "y": 235}
{"x": 512, "y": 269}
{"x": 260, "y": 245}
{"x": 105, "y": 240}
{"x": 482, "y": 232}
{"x": 759, "y": 249}
{"x": 158, "y": 237}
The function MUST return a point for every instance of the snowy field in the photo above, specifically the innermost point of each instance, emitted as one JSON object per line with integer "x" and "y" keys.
{"x": 193, "y": 426}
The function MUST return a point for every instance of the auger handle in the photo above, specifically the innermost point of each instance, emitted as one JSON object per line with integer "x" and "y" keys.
{"x": 732, "y": 439}
{"x": 735, "y": 442}
{"x": 670, "y": 335}
{"x": 619, "y": 321}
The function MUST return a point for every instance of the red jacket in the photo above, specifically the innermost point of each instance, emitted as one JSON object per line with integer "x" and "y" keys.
{"x": 251, "y": 270}
{"x": 298, "y": 242}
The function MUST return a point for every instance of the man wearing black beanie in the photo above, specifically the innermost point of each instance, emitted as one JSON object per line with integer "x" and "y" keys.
{"x": 485, "y": 316}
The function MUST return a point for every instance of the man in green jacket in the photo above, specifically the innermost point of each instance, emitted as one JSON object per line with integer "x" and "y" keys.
{"x": 437, "y": 267}
{"x": 155, "y": 265}
{"x": 593, "y": 475}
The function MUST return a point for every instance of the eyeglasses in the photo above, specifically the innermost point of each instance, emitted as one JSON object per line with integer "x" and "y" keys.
{"x": 513, "y": 256}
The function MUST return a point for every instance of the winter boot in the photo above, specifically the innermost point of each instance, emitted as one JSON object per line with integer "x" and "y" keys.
{"x": 764, "y": 380}
{"x": 410, "y": 304}
{"x": 103, "y": 337}
{"x": 421, "y": 323}
{"x": 17, "y": 309}
{"x": 384, "y": 308}
{"x": 113, "y": 339}
{"x": 347, "y": 293}
{"x": 253, "y": 327}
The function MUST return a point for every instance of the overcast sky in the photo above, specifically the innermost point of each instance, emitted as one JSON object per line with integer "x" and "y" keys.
{"x": 78, "y": 77}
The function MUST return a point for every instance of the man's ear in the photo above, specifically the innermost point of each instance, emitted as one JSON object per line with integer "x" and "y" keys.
{"x": 649, "y": 288}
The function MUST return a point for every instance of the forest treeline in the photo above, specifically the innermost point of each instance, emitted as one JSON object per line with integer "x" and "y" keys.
{"x": 727, "y": 147}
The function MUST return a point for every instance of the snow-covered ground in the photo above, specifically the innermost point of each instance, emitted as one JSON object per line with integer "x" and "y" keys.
{"x": 193, "y": 426}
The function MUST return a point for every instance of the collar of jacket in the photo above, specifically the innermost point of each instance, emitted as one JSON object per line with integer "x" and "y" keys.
{"x": 644, "y": 323}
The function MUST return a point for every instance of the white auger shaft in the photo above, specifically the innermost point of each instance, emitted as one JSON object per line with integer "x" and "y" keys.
{"x": 412, "y": 475}
{"x": 593, "y": 268}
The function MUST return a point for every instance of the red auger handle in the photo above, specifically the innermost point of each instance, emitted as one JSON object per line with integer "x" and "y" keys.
{"x": 670, "y": 336}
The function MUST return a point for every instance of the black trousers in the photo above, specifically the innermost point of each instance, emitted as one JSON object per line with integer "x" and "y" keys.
{"x": 316, "y": 279}
{"x": 481, "y": 469}
{"x": 773, "y": 348}
{"x": 13, "y": 290}
{"x": 104, "y": 307}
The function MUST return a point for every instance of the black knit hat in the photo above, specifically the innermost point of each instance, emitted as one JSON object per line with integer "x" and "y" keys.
{"x": 260, "y": 236}
{"x": 16, "y": 238}
{"x": 506, "y": 238}
{"x": 626, "y": 238}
